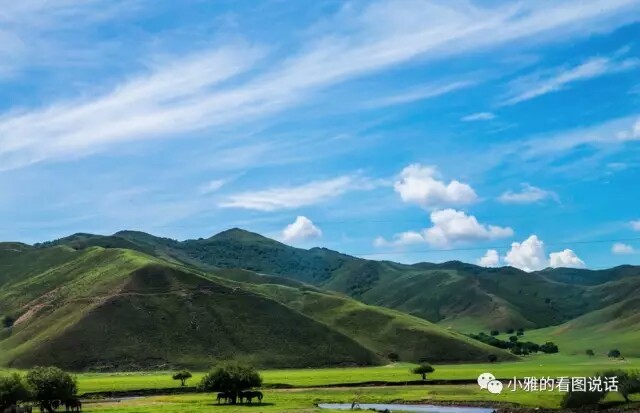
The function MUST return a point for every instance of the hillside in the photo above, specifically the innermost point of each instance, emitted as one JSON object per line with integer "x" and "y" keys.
{"x": 453, "y": 294}
{"x": 119, "y": 309}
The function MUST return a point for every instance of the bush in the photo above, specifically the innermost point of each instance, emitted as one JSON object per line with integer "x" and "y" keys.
{"x": 510, "y": 331}
{"x": 423, "y": 370}
{"x": 513, "y": 339}
{"x": 231, "y": 378}
{"x": 182, "y": 375}
{"x": 520, "y": 332}
{"x": 495, "y": 332}
{"x": 492, "y": 358}
{"x": 614, "y": 353}
{"x": 12, "y": 390}
{"x": 7, "y": 321}
{"x": 393, "y": 357}
{"x": 628, "y": 382}
{"x": 50, "y": 384}
{"x": 549, "y": 347}
{"x": 581, "y": 399}
{"x": 590, "y": 352}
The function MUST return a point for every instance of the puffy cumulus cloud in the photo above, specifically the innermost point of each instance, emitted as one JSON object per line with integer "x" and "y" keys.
{"x": 420, "y": 185}
{"x": 449, "y": 226}
{"x": 490, "y": 259}
{"x": 529, "y": 255}
{"x": 566, "y": 258}
{"x": 300, "y": 230}
{"x": 528, "y": 194}
{"x": 635, "y": 225}
{"x": 620, "y": 249}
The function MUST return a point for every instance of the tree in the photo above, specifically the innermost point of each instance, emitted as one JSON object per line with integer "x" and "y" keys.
{"x": 423, "y": 370}
{"x": 7, "y": 321}
{"x": 614, "y": 353}
{"x": 520, "y": 332}
{"x": 182, "y": 375}
{"x": 492, "y": 358}
{"x": 12, "y": 390}
{"x": 393, "y": 357}
{"x": 513, "y": 339}
{"x": 50, "y": 384}
{"x": 510, "y": 331}
{"x": 590, "y": 352}
{"x": 549, "y": 347}
{"x": 231, "y": 378}
{"x": 495, "y": 332}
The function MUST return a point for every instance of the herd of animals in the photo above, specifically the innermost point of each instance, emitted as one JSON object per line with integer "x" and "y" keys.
{"x": 72, "y": 405}
{"x": 243, "y": 395}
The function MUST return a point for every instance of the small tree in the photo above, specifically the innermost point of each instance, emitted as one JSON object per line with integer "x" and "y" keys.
{"x": 423, "y": 370}
{"x": 495, "y": 332}
{"x": 393, "y": 357}
{"x": 231, "y": 378}
{"x": 50, "y": 384}
{"x": 513, "y": 339}
{"x": 492, "y": 358}
{"x": 12, "y": 390}
{"x": 614, "y": 353}
{"x": 7, "y": 321}
{"x": 520, "y": 332}
{"x": 182, "y": 375}
{"x": 590, "y": 353}
{"x": 510, "y": 331}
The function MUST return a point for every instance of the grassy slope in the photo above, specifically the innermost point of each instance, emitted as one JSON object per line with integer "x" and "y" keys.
{"x": 121, "y": 309}
{"x": 457, "y": 295}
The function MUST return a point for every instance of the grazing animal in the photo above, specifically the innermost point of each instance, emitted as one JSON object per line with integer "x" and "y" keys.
{"x": 250, "y": 395}
{"x": 73, "y": 405}
{"x": 223, "y": 396}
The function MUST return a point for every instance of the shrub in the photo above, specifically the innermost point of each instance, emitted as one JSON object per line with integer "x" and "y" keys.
{"x": 579, "y": 399}
{"x": 549, "y": 347}
{"x": 492, "y": 358}
{"x": 393, "y": 357}
{"x": 495, "y": 332}
{"x": 614, "y": 353}
{"x": 589, "y": 352}
{"x": 7, "y": 321}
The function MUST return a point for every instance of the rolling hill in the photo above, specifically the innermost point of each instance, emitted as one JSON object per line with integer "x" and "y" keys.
{"x": 455, "y": 295}
{"x": 81, "y": 306}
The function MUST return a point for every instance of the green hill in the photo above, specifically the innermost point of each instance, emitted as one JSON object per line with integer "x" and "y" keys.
{"x": 120, "y": 309}
{"x": 453, "y": 294}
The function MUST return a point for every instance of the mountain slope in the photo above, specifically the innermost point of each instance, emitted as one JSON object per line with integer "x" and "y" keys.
{"x": 118, "y": 309}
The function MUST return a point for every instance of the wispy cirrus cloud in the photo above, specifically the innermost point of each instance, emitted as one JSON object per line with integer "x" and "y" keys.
{"x": 292, "y": 197}
{"x": 361, "y": 39}
{"x": 554, "y": 80}
{"x": 528, "y": 194}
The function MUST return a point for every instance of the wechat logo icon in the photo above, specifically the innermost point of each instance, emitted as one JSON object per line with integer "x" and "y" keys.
{"x": 487, "y": 381}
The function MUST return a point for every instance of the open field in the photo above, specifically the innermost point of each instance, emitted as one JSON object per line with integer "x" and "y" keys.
{"x": 304, "y": 400}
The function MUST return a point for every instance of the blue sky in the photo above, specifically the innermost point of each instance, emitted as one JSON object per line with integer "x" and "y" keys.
{"x": 501, "y": 133}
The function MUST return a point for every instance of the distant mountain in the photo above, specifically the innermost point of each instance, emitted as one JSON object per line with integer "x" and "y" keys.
{"x": 92, "y": 302}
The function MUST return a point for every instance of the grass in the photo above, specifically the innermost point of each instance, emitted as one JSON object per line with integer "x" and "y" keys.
{"x": 556, "y": 365}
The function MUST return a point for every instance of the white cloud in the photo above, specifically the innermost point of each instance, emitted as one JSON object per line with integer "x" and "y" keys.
{"x": 417, "y": 94}
{"x": 620, "y": 249}
{"x": 635, "y": 225}
{"x": 363, "y": 38}
{"x": 212, "y": 186}
{"x": 448, "y": 227}
{"x": 540, "y": 84}
{"x": 566, "y": 258}
{"x": 490, "y": 259}
{"x": 527, "y": 195}
{"x": 530, "y": 256}
{"x": 419, "y": 184}
{"x": 630, "y": 134}
{"x": 478, "y": 117}
{"x": 297, "y": 196}
{"x": 300, "y": 230}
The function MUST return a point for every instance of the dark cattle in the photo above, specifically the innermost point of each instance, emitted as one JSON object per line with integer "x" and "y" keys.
{"x": 73, "y": 405}
{"x": 223, "y": 396}
{"x": 250, "y": 395}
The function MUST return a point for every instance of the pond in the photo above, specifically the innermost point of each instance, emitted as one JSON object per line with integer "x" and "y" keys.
{"x": 424, "y": 408}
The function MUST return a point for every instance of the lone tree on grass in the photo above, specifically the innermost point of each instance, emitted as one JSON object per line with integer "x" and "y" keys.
{"x": 492, "y": 358}
{"x": 423, "y": 370}
{"x": 182, "y": 375}
{"x": 393, "y": 357}
{"x": 590, "y": 353}
{"x": 614, "y": 354}
{"x": 231, "y": 378}
{"x": 49, "y": 385}
{"x": 12, "y": 390}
